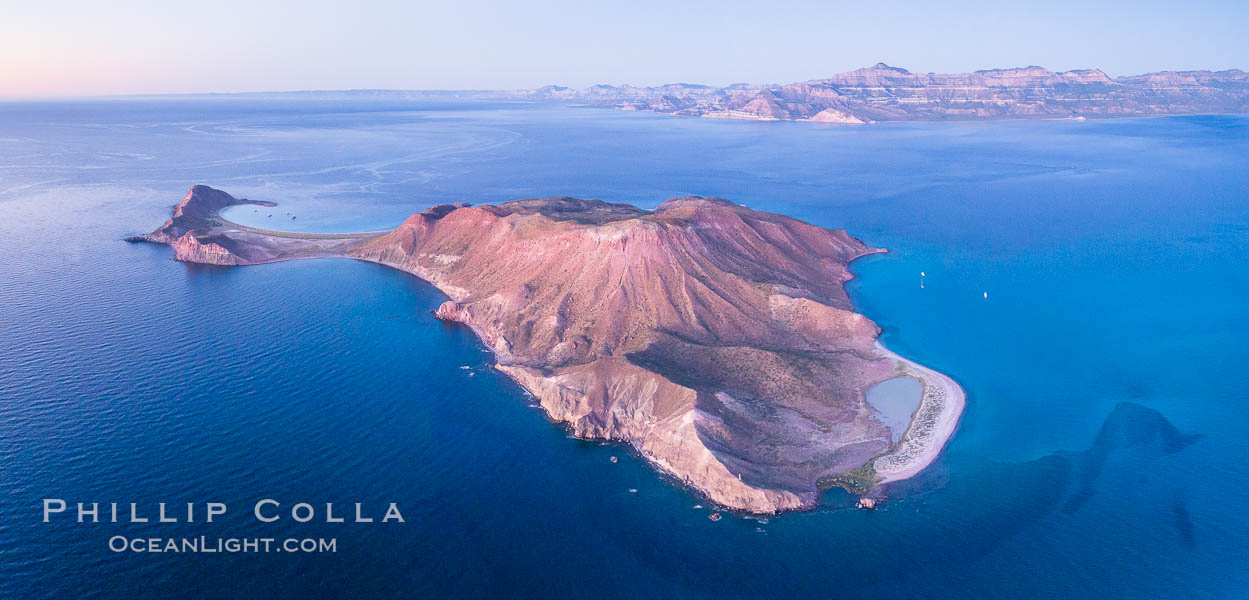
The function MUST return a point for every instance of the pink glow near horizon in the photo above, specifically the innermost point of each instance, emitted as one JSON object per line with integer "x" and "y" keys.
{"x": 63, "y": 48}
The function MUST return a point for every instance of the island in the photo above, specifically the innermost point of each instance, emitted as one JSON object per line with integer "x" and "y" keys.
{"x": 886, "y": 93}
{"x": 716, "y": 340}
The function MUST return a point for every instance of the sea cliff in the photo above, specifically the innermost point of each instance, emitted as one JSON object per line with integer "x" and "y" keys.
{"x": 716, "y": 340}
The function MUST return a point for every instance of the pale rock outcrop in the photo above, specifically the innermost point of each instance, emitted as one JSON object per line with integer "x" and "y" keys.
{"x": 716, "y": 340}
{"x": 885, "y": 93}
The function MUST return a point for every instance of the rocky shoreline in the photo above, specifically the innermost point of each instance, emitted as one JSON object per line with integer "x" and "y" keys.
{"x": 716, "y": 340}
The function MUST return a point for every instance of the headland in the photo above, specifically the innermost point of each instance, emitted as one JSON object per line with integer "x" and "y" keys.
{"x": 716, "y": 340}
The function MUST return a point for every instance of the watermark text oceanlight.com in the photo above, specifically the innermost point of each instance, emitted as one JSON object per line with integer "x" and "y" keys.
{"x": 204, "y": 544}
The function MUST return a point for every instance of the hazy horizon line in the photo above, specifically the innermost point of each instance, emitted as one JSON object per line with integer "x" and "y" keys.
{"x": 134, "y": 95}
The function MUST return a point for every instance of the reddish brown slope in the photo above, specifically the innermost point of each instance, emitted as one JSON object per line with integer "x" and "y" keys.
{"x": 197, "y": 233}
{"x": 715, "y": 339}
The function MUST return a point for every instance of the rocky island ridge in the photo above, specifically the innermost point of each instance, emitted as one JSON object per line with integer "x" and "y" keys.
{"x": 716, "y": 340}
{"x": 886, "y": 93}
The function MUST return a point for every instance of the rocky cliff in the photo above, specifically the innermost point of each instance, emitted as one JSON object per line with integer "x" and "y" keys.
{"x": 885, "y": 93}
{"x": 197, "y": 233}
{"x": 716, "y": 340}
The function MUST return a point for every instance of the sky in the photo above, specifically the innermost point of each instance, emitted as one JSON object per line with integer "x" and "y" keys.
{"x": 81, "y": 48}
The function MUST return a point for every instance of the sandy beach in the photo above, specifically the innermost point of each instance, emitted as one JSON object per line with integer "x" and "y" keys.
{"x": 933, "y": 424}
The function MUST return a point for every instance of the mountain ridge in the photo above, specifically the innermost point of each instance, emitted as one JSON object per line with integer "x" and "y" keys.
{"x": 716, "y": 340}
{"x": 888, "y": 93}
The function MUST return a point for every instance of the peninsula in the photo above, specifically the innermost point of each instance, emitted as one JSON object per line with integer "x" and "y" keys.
{"x": 885, "y": 93}
{"x": 716, "y": 340}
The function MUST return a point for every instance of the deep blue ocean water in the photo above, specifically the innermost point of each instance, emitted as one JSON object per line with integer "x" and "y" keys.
{"x": 1102, "y": 452}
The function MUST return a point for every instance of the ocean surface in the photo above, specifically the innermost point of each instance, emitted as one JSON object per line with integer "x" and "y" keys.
{"x": 1086, "y": 282}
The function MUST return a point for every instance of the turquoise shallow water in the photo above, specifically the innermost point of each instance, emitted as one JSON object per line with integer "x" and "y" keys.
{"x": 1101, "y": 452}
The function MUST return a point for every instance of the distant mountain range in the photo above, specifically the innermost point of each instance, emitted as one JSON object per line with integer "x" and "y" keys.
{"x": 885, "y": 93}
